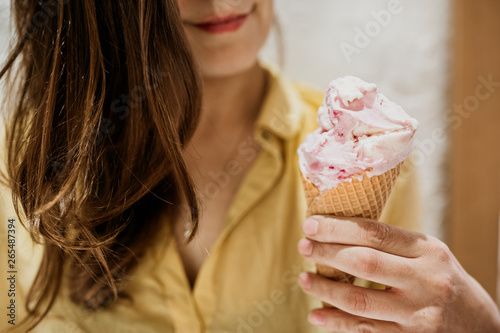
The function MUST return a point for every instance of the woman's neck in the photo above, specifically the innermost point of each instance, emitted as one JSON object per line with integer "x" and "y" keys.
{"x": 232, "y": 102}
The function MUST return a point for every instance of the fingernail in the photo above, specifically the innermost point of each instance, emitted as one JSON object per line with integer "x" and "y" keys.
{"x": 317, "y": 319}
{"x": 310, "y": 227}
{"x": 305, "y": 281}
{"x": 305, "y": 246}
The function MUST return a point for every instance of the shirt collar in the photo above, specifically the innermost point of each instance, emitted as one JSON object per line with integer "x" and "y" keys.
{"x": 280, "y": 113}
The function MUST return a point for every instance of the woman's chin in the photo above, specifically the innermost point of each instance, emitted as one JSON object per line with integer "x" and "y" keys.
{"x": 226, "y": 67}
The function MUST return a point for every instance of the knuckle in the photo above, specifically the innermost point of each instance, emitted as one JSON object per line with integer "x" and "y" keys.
{"x": 377, "y": 233}
{"x": 430, "y": 318}
{"x": 440, "y": 250}
{"x": 357, "y": 302}
{"x": 365, "y": 327}
{"x": 319, "y": 250}
{"x": 328, "y": 227}
{"x": 435, "y": 318}
{"x": 443, "y": 249}
{"x": 331, "y": 294}
{"x": 368, "y": 264}
{"x": 446, "y": 289}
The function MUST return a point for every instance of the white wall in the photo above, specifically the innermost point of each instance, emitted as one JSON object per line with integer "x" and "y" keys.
{"x": 4, "y": 27}
{"x": 4, "y": 46}
{"x": 407, "y": 58}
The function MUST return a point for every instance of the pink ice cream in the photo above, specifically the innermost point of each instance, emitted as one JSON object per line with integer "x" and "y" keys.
{"x": 359, "y": 130}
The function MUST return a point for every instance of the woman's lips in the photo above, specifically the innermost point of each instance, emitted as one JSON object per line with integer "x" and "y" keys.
{"x": 222, "y": 25}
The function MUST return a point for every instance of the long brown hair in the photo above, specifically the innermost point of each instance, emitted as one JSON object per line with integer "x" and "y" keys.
{"x": 103, "y": 95}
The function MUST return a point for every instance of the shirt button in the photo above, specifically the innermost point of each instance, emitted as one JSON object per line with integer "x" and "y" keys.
{"x": 266, "y": 135}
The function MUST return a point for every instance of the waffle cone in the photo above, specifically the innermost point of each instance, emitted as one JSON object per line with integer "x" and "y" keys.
{"x": 357, "y": 198}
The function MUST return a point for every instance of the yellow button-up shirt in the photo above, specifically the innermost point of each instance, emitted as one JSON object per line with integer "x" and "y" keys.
{"x": 248, "y": 283}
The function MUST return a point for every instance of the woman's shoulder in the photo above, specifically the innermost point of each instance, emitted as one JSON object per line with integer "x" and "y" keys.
{"x": 295, "y": 93}
{"x": 310, "y": 100}
{"x": 290, "y": 108}
{"x": 310, "y": 96}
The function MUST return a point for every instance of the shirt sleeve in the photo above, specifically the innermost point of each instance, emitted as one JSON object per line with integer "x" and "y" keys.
{"x": 403, "y": 208}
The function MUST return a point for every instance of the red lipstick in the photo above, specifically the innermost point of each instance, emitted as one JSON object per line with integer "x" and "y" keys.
{"x": 223, "y": 24}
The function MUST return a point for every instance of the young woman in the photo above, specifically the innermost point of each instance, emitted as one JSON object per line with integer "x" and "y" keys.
{"x": 151, "y": 159}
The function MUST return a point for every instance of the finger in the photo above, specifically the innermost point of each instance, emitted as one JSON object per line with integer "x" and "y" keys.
{"x": 340, "y": 321}
{"x": 364, "y": 232}
{"x": 363, "y": 262}
{"x": 385, "y": 305}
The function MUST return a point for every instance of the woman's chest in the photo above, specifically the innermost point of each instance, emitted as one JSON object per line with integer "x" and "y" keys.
{"x": 217, "y": 171}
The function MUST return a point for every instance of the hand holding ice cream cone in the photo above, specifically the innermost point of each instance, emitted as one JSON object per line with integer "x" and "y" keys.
{"x": 349, "y": 166}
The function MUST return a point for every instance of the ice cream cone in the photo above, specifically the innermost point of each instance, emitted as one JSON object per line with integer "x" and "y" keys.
{"x": 358, "y": 129}
{"x": 357, "y": 198}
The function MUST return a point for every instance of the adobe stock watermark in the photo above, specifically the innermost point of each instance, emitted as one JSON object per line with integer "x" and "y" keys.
{"x": 249, "y": 149}
{"x": 41, "y": 17}
{"x": 90, "y": 316}
{"x": 454, "y": 118}
{"x": 264, "y": 309}
{"x": 363, "y": 36}
{"x": 120, "y": 109}
{"x": 217, "y": 181}
{"x": 222, "y": 6}
{"x": 483, "y": 91}
{"x": 121, "y": 106}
